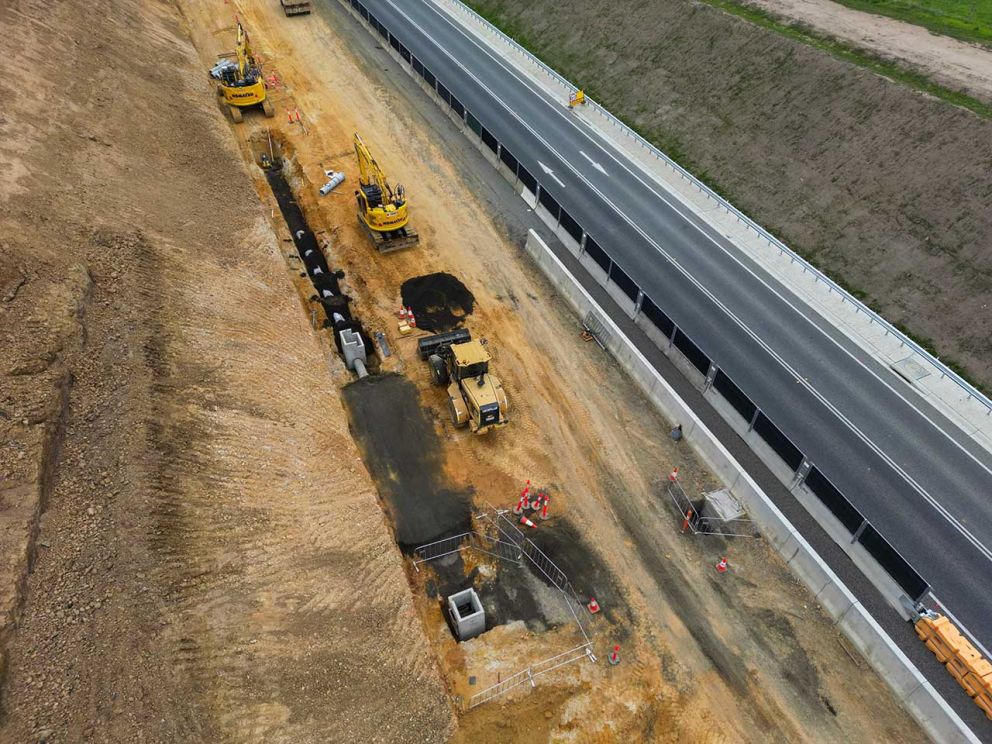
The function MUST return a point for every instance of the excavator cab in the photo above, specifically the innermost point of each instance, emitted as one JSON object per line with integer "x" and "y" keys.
{"x": 382, "y": 209}
{"x": 242, "y": 85}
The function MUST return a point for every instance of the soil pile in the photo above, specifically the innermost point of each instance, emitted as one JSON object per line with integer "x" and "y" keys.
{"x": 439, "y": 301}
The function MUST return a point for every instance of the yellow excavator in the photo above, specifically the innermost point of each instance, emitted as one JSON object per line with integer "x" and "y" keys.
{"x": 382, "y": 210}
{"x": 242, "y": 85}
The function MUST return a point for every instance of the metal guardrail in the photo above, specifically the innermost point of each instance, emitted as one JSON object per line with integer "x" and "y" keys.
{"x": 466, "y": 541}
{"x": 783, "y": 249}
{"x": 527, "y": 675}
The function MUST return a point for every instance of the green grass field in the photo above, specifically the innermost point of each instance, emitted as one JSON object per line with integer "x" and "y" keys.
{"x": 968, "y": 20}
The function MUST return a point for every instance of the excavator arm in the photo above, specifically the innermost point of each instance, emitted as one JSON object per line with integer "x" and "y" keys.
{"x": 370, "y": 174}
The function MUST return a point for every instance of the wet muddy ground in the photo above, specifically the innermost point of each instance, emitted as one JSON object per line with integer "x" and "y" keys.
{"x": 403, "y": 452}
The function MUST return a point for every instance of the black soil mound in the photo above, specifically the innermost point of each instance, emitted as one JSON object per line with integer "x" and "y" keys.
{"x": 439, "y": 301}
{"x": 403, "y": 453}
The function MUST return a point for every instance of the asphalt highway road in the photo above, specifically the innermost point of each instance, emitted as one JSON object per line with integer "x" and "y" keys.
{"x": 919, "y": 480}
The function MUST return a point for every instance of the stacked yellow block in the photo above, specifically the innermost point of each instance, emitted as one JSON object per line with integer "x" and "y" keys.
{"x": 965, "y": 664}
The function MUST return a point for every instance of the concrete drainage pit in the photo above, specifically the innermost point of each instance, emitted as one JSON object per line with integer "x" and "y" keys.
{"x": 467, "y": 615}
{"x": 358, "y": 352}
{"x": 440, "y": 302}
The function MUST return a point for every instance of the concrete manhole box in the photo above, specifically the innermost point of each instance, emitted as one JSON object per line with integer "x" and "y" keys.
{"x": 468, "y": 617}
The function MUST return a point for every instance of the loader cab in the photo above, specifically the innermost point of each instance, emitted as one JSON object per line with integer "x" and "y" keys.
{"x": 471, "y": 360}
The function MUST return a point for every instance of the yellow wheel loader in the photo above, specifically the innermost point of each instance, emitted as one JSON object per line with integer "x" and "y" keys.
{"x": 382, "y": 210}
{"x": 242, "y": 85}
{"x": 475, "y": 396}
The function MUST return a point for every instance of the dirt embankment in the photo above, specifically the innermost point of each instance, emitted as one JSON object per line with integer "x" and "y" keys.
{"x": 877, "y": 183}
{"x": 209, "y": 562}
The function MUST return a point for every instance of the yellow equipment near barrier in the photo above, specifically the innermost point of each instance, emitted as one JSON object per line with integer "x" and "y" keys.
{"x": 243, "y": 86}
{"x": 577, "y": 98}
{"x": 382, "y": 210}
{"x": 961, "y": 659}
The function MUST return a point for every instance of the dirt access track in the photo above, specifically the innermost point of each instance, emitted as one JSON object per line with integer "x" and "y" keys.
{"x": 211, "y": 562}
{"x": 956, "y": 64}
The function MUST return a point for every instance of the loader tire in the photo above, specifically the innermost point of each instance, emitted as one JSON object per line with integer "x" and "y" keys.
{"x": 439, "y": 372}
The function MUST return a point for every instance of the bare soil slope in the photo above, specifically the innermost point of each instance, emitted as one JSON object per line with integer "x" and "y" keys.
{"x": 210, "y": 556}
{"x": 880, "y": 185}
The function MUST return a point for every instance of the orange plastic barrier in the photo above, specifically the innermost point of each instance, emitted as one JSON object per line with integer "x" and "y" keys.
{"x": 964, "y": 663}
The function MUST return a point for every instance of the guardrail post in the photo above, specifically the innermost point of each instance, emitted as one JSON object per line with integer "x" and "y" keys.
{"x": 857, "y": 532}
{"x": 804, "y": 467}
{"x": 754, "y": 419}
{"x": 710, "y": 376}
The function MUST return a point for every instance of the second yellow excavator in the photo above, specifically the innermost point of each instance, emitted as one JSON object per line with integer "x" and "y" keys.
{"x": 382, "y": 210}
{"x": 241, "y": 84}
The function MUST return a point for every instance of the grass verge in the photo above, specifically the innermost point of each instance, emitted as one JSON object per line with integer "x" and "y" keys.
{"x": 967, "y": 20}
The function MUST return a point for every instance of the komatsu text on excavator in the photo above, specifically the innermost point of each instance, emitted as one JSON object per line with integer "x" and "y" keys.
{"x": 242, "y": 85}
{"x": 382, "y": 210}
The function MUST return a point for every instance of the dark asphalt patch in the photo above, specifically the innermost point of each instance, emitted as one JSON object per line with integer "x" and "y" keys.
{"x": 440, "y": 302}
{"x": 505, "y": 595}
{"x": 403, "y": 453}
{"x": 560, "y": 541}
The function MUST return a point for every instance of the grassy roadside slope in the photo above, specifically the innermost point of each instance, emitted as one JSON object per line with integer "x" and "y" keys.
{"x": 882, "y": 185}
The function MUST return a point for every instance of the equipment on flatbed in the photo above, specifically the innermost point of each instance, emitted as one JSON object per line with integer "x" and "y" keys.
{"x": 475, "y": 396}
{"x": 242, "y": 85}
{"x": 382, "y": 210}
{"x": 295, "y": 7}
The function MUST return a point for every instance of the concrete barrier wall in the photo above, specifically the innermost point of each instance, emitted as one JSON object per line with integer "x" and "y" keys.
{"x": 919, "y": 698}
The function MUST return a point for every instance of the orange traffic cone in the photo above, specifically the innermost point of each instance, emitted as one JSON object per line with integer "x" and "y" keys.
{"x": 721, "y": 567}
{"x": 593, "y": 606}
{"x": 674, "y": 475}
{"x": 410, "y": 319}
{"x": 524, "y": 520}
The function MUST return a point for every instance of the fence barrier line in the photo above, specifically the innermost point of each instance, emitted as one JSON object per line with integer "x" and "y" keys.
{"x": 529, "y": 674}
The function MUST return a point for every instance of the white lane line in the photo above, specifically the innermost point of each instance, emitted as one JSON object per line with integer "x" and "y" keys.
{"x": 653, "y": 188}
{"x": 595, "y": 165}
{"x": 550, "y": 172}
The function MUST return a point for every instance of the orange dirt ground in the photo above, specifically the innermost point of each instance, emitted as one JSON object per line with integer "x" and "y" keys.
{"x": 746, "y": 654}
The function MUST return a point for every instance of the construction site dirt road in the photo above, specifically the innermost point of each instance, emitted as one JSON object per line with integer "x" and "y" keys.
{"x": 213, "y": 563}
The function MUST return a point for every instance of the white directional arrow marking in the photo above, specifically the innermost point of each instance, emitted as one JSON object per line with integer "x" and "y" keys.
{"x": 551, "y": 173}
{"x": 595, "y": 165}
